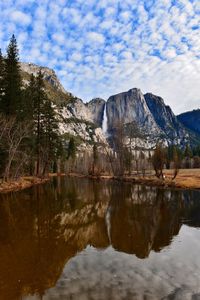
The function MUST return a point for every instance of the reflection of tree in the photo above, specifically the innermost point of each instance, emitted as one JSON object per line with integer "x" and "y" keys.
{"x": 43, "y": 227}
{"x": 142, "y": 223}
{"x": 191, "y": 211}
{"x": 40, "y": 230}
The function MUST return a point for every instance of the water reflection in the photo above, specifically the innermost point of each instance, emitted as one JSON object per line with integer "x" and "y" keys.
{"x": 43, "y": 227}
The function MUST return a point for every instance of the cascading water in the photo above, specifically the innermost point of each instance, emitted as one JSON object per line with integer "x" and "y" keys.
{"x": 105, "y": 121}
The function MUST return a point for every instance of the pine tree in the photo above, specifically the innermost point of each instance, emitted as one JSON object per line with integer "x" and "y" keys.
{"x": 50, "y": 134}
{"x": 188, "y": 152}
{"x": 11, "y": 102}
{"x": 39, "y": 98}
{"x": 95, "y": 158}
{"x": 71, "y": 149}
{"x": 45, "y": 126}
{"x": 29, "y": 96}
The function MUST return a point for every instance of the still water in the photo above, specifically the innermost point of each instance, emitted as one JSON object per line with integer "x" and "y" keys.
{"x": 80, "y": 239}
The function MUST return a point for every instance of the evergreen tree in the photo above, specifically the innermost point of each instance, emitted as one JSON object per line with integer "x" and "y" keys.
{"x": 11, "y": 102}
{"x": 71, "y": 149}
{"x": 95, "y": 157}
{"x": 188, "y": 152}
{"x": 39, "y": 98}
{"x": 29, "y": 96}
{"x": 50, "y": 134}
{"x": 45, "y": 125}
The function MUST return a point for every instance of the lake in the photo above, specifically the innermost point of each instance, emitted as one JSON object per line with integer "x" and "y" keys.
{"x": 88, "y": 240}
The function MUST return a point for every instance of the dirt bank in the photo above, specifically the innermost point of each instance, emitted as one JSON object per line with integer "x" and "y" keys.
{"x": 21, "y": 184}
{"x": 186, "y": 179}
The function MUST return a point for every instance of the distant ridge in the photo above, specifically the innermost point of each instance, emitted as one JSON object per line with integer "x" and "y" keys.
{"x": 191, "y": 120}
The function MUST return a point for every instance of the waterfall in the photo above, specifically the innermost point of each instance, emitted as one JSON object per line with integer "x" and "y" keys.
{"x": 105, "y": 121}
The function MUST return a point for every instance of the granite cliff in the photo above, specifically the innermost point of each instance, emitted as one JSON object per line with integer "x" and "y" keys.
{"x": 147, "y": 113}
{"x": 191, "y": 120}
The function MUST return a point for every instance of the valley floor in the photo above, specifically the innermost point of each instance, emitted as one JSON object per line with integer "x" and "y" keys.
{"x": 186, "y": 179}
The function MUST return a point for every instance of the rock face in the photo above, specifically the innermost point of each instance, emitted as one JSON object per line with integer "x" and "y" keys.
{"x": 131, "y": 107}
{"x": 191, "y": 120}
{"x": 96, "y": 107}
{"x": 49, "y": 75}
{"x": 151, "y": 116}
{"x": 76, "y": 119}
{"x": 148, "y": 113}
{"x": 172, "y": 129}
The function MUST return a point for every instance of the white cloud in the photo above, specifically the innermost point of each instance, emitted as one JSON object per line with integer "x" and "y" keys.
{"x": 76, "y": 56}
{"x": 103, "y": 47}
{"x": 96, "y": 37}
{"x": 59, "y": 38}
{"x": 20, "y": 17}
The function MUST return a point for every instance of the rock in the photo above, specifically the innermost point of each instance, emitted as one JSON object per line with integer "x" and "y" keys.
{"x": 75, "y": 117}
{"x": 130, "y": 107}
{"x": 172, "y": 129}
{"x": 49, "y": 74}
{"x": 153, "y": 120}
{"x": 191, "y": 120}
{"x": 96, "y": 106}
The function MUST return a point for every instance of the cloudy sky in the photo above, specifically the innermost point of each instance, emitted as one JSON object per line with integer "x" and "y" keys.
{"x": 100, "y": 48}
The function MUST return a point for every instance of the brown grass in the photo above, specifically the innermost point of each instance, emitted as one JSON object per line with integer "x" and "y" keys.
{"x": 21, "y": 184}
{"x": 187, "y": 178}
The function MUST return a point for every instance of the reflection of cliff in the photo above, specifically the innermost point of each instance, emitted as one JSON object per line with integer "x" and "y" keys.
{"x": 43, "y": 227}
{"x": 40, "y": 230}
{"x": 144, "y": 223}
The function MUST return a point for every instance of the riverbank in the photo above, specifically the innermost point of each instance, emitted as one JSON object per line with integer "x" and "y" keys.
{"x": 181, "y": 182}
{"x": 186, "y": 179}
{"x": 21, "y": 184}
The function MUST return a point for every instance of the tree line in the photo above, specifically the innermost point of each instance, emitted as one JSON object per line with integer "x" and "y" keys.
{"x": 30, "y": 142}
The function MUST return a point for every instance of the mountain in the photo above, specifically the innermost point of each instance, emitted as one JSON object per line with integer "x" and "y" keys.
{"x": 151, "y": 119}
{"x": 96, "y": 107}
{"x": 148, "y": 115}
{"x": 130, "y": 107}
{"x": 75, "y": 118}
{"x": 48, "y": 74}
{"x": 191, "y": 120}
{"x": 172, "y": 129}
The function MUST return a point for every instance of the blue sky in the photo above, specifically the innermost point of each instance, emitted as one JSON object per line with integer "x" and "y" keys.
{"x": 100, "y": 48}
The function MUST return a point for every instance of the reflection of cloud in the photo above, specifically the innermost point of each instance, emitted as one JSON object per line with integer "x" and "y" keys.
{"x": 126, "y": 44}
{"x": 109, "y": 274}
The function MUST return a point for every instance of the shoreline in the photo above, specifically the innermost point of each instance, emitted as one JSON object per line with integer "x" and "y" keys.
{"x": 21, "y": 184}
{"x": 186, "y": 179}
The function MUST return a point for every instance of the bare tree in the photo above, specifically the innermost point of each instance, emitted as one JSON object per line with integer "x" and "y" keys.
{"x": 158, "y": 160}
{"x": 12, "y": 134}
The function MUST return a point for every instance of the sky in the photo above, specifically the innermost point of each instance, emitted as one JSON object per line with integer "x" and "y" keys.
{"x": 103, "y": 47}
